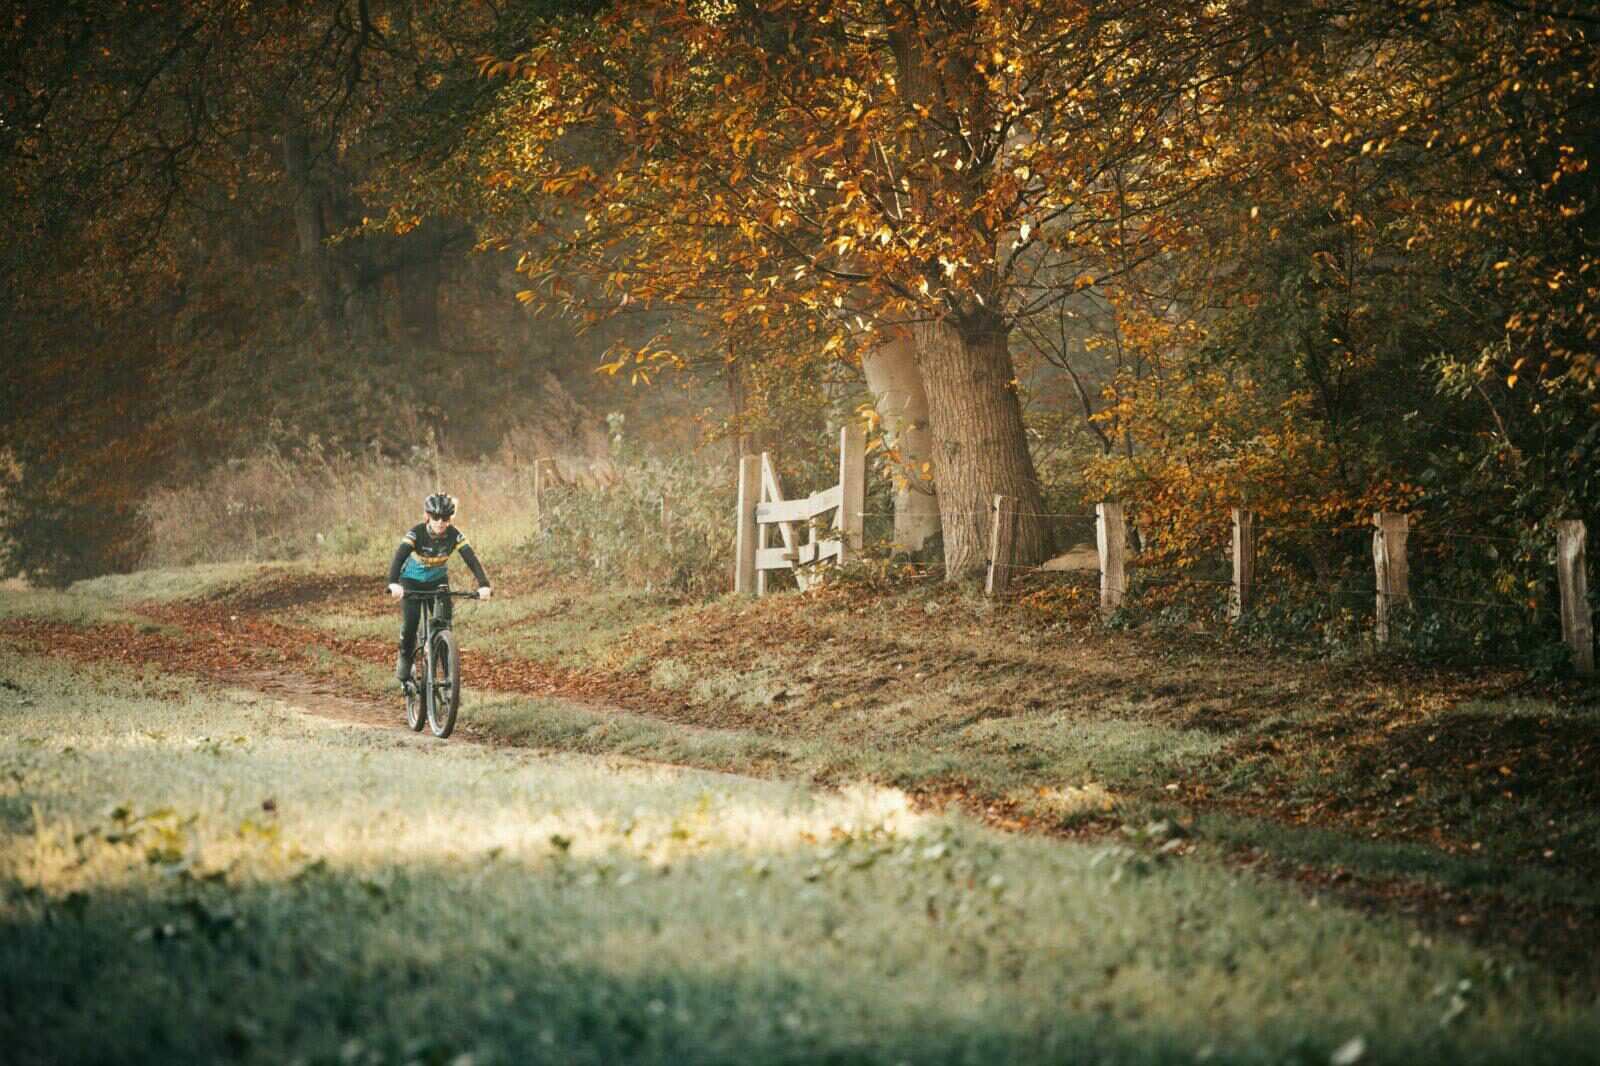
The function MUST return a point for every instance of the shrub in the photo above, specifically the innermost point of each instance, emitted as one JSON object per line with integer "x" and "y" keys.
{"x": 308, "y": 504}
{"x": 611, "y": 527}
{"x": 602, "y": 521}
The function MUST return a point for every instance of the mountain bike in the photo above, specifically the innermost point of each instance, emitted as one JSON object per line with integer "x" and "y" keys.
{"x": 433, "y": 692}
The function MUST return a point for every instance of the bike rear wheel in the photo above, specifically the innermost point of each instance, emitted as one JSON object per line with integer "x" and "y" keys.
{"x": 416, "y": 698}
{"x": 444, "y": 686}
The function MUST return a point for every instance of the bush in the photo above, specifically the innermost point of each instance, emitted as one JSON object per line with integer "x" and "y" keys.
{"x": 308, "y": 504}
{"x": 611, "y": 528}
{"x": 602, "y": 520}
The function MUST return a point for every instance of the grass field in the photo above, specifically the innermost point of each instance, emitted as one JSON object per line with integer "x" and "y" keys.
{"x": 1270, "y": 860}
{"x": 190, "y": 875}
{"x": 1466, "y": 781}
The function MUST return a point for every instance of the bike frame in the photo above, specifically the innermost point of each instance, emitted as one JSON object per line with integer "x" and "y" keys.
{"x": 429, "y": 623}
{"x": 427, "y": 626}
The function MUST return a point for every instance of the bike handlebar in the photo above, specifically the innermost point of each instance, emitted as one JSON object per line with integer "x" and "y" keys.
{"x": 455, "y": 594}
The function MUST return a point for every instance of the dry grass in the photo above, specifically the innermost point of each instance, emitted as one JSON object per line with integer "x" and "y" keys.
{"x": 317, "y": 506}
{"x": 602, "y": 518}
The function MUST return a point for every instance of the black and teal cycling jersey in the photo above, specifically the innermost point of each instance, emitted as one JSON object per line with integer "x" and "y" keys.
{"x": 422, "y": 556}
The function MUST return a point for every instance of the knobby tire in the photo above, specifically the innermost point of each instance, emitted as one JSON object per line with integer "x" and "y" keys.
{"x": 416, "y": 708}
{"x": 444, "y": 688}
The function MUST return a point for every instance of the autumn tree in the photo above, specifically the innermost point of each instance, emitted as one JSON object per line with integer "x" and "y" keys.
{"x": 913, "y": 167}
{"x": 1391, "y": 301}
{"x": 201, "y": 244}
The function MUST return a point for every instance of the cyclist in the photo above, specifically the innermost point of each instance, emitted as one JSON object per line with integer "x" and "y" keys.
{"x": 419, "y": 565}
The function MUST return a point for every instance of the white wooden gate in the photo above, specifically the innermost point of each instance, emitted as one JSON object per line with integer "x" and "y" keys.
{"x": 763, "y": 509}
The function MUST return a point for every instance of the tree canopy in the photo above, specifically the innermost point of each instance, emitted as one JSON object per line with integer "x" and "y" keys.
{"x": 1321, "y": 256}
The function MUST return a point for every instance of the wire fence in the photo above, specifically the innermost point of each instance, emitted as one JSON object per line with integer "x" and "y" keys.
{"x": 1429, "y": 588}
{"x": 1275, "y": 527}
{"x": 1306, "y": 589}
{"x": 1303, "y": 589}
{"x": 1148, "y": 584}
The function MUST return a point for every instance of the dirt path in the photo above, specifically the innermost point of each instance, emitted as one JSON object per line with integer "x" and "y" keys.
{"x": 216, "y": 663}
{"x": 222, "y": 647}
{"x": 322, "y": 699}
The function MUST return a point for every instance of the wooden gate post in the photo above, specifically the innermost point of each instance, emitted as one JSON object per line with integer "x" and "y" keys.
{"x": 1111, "y": 534}
{"x": 744, "y": 564}
{"x": 1577, "y": 623}
{"x": 1244, "y": 562}
{"x": 1002, "y": 544}
{"x": 544, "y": 478}
{"x": 852, "y": 491}
{"x": 1389, "y": 561}
{"x": 771, "y": 491}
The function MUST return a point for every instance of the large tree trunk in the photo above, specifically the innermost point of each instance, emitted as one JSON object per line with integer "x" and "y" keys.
{"x": 902, "y": 402}
{"x": 417, "y": 282}
{"x": 980, "y": 447}
{"x": 318, "y": 283}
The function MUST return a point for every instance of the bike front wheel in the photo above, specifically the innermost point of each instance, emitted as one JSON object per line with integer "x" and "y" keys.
{"x": 444, "y": 686}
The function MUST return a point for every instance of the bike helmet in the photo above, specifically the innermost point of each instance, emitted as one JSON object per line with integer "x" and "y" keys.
{"x": 439, "y": 505}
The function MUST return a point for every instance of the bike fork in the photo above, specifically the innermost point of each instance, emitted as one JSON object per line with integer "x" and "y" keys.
{"x": 426, "y": 651}
{"x": 419, "y": 655}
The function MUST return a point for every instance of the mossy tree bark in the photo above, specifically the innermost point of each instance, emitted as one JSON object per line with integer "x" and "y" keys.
{"x": 417, "y": 281}
{"x": 902, "y": 402}
{"x": 980, "y": 447}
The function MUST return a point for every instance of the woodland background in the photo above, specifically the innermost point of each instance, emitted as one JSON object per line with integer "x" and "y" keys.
{"x": 1318, "y": 258}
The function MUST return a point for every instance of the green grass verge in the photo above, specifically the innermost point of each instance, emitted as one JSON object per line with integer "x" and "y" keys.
{"x": 860, "y": 694}
{"x": 1065, "y": 736}
{"x": 195, "y": 877}
{"x": 164, "y": 586}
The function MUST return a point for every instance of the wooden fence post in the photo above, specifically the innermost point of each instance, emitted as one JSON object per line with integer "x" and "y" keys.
{"x": 1389, "y": 561}
{"x": 544, "y": 477}
{"x": 772, "y": 490}
{"x": 852, "y": 491}
{"x": 1577, "y": 623}
{"x": 1244, "y": 562}
{"x": 744, "y": 565}
{"x": 1111, "y": 533}
{"x": 1002, "y": 544}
